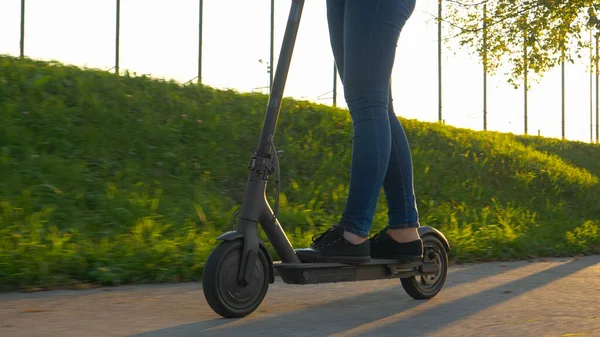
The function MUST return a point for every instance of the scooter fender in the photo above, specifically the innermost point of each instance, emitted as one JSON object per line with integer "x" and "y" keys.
{"x": 235, "y": 235}
{"x": 426, "y": 230}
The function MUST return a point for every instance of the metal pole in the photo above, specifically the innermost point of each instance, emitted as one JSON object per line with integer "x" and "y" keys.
{"x": 334, "y": 84}
{"x": 484, "y": 67}
{"x": 200, "y": 17}
{"x": 597, "y": 84}
{"x": 22, "y": 44}
{"x": 440, "y": 60}
{"x": 272, "y": 44}
{"x": 562, "y": 92}
{"x": 525, "y": 80}
{"x": 281, "y": 73}
{"x": 591, "y": 86}
{"x": 118, "y": 29}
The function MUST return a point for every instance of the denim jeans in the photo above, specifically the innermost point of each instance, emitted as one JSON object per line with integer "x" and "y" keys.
{"x": 364, "y": 36}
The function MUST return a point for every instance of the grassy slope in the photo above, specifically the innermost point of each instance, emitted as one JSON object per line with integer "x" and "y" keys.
{"x": 112, "y": 180}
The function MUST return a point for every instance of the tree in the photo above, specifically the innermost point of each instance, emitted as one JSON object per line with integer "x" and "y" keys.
{"x": 543, "y": 30}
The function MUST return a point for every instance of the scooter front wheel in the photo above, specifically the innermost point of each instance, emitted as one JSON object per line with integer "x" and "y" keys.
{"x": 427, "y": 286}
{"x": 220, "y": 281}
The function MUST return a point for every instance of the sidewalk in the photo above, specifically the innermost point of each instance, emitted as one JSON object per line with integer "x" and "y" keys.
{"x": 555, "y": 297}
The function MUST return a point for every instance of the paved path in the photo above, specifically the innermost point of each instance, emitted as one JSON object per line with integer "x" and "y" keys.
{"x": 556, "y": 297}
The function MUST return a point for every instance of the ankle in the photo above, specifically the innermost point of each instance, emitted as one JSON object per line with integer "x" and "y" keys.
{"x": 353, "y": 238}
{"x": 403, "y": 234}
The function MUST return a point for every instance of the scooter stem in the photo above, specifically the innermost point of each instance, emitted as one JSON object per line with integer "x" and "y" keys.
{"x": 281, "y": 73}
{"x": 255, "y": 207}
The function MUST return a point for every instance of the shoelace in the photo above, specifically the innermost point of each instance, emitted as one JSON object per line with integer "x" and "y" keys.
{"x": 318, "y": 238}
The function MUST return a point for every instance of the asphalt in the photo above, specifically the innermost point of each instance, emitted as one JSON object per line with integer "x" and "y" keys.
{"x": 542, "y": 298}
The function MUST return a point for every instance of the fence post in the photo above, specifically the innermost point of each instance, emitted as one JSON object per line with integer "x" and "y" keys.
{"x": 597, "y": 83}
{"x": 334, "y": 84}
{"x": 117, "y": 38}
{"x": 484, "y": 67}
{"x": 591, "y": 85}
{"x": 525, "y": 71}
{"x": 439, "y": 60}
{"x": 200, "y": 17}
{"x": 22, "y": 43}
{"x": 562, "y": 92}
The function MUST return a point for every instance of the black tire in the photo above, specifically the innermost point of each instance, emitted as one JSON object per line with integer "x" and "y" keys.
{"x": 426, "y": 287}
{"x": 219, "y": 281}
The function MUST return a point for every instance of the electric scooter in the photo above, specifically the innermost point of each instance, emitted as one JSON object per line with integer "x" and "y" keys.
{"x": 239, "y": 270}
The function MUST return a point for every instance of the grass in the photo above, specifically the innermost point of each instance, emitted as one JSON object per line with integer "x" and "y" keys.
{"x": 111, "y": 180}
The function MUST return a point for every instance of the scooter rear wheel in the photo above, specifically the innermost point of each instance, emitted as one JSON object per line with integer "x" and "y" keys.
{"x": 427, "y": 286}
{"x": 220, "y": 281}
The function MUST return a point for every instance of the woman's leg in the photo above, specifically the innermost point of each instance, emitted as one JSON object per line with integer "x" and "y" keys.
{"x": 400, "y": 239}
{"x": 364, "y": 36}
{"x": 399, "y": 186}
{"x": 371, "y": 33}
{"x": 335, "y": 22}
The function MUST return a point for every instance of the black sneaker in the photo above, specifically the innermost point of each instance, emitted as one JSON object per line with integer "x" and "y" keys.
{"x": 384, "y": 247}
{"x": 331, "y": 246}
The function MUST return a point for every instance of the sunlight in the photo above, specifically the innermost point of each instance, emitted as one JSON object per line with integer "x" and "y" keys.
{"x": 543, "y": 300}
{"x": 457, "y": 292}
{"x": 162, "y": 40}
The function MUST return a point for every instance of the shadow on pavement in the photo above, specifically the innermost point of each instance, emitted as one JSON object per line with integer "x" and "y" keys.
{"x": 382, "y": 312}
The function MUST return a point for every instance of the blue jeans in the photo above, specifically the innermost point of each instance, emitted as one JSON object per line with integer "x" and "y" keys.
{"x": 364, "y": 36}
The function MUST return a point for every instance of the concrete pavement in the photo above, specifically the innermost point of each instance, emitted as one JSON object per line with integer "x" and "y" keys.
{"x": 554, "y": 297}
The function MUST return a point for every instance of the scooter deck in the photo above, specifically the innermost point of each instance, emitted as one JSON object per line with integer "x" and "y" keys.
{"x": 376, "y": 269}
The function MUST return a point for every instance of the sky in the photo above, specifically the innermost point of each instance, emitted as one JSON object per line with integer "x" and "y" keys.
{"x": 160, "y": 38}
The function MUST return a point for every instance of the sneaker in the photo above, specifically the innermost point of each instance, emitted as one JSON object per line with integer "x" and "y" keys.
{"x": 331, "y": 246}
{"x": 384, "y": 247}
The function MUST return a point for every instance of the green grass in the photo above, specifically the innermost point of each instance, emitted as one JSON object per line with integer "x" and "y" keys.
{"x": 112, "y": 180}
